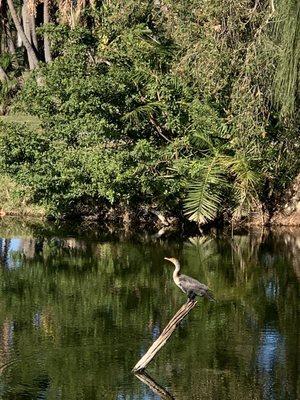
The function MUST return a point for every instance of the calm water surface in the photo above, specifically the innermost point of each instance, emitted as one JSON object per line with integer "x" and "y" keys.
{"x": 78, "y": 310}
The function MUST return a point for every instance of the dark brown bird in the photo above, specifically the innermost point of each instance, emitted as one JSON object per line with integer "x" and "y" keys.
{"x": 189, "y": 285}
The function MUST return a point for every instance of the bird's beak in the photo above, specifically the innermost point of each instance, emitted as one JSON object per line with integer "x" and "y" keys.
{"x": 166, "y": 258}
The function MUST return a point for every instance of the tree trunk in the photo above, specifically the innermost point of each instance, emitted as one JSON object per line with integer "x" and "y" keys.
{"x": 33, "y": 31}
{"x": 10, "y": 42}
{"x": 47, "y": 50}
{"x": 32, "y": 58}
{"x": 3, "y": 76}
{"x": 26, "y": 21}
{"x": 7, "y": 35}
{"x": 2, "y": 44}
{"x": 28, "y": 17}
{"x": 19, "y": 40}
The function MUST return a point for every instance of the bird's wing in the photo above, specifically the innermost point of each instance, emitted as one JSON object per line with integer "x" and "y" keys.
{"x": 191, "y": 284}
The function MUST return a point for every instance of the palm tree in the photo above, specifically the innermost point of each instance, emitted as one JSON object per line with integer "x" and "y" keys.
{"x": 219, "y": 173}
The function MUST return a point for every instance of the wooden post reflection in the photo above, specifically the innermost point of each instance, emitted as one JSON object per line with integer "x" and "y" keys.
{"x": 154, "y": 386}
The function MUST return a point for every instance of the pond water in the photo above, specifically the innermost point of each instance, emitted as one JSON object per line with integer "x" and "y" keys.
{"x": 77, "y": 311}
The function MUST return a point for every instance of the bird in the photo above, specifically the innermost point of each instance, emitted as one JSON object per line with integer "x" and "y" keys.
{"x": 189, "y": 285}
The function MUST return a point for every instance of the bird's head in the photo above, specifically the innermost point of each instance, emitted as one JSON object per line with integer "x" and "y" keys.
{"x": 174, "y": 261}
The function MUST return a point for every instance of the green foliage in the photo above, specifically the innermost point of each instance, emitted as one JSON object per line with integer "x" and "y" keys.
{"x": 204, "y": 197}
{"x": 145, "y": 100}
{"x": 220, "y": 175}
{"x": 16, "y": 199}
{"x": 287, "y": 77}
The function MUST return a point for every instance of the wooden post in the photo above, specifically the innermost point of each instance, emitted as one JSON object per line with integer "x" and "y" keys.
{"x": 154, "y": 386}
{"x": 164, "y": 336}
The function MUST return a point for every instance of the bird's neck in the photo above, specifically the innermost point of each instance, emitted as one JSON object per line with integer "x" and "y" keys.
{"x": 176, "y": 272}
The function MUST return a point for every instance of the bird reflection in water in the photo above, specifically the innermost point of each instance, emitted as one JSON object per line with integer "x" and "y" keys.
{"x": 154, "y": 386}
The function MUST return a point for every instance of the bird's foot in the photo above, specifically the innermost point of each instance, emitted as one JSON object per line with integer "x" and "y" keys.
{"x": 192, "y": 298}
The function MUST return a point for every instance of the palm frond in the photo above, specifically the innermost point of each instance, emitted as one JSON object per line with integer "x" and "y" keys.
{"x": 200, "y": 241}
{"x": 143, "y": 111}
{"x": 246, "y": 180}
{"x": 201, "y": 139}
{"x": 204, "y": 196}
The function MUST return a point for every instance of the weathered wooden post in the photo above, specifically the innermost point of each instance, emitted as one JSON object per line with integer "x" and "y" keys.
{"x": 164, "y": 336}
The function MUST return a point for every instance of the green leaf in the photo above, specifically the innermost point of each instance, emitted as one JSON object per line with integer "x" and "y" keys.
{"x": 204, "y": 196}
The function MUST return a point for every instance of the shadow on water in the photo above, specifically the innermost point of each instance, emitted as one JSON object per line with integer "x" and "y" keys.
{"x": 77, "y": 311}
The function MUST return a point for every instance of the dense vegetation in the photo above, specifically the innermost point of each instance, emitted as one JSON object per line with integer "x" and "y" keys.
{"x": 187, "y": 107}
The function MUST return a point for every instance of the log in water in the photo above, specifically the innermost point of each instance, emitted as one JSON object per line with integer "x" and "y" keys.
{"x": 164, "y": 336}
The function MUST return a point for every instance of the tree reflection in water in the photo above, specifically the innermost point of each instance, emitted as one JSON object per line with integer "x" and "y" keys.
{"x": 76, "y": 314}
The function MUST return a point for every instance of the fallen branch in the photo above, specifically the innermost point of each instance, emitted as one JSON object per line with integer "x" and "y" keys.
{"x": 164, "y": 336}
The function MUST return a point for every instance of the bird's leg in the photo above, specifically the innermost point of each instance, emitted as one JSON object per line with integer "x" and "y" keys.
{"x": 191, "y": 296}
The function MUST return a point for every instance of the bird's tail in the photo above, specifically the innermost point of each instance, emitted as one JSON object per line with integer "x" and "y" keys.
{"x": 209, "y": 295}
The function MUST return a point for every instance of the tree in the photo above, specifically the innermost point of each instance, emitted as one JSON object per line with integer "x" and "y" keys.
{"x": 47, "y": 49}
{"x": 32, "y": 57}
{"x": 3, "y": 75}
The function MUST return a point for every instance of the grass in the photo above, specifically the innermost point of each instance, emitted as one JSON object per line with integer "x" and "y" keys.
{"x": 16, "y": 199}
{"x": 30, "y": 121}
